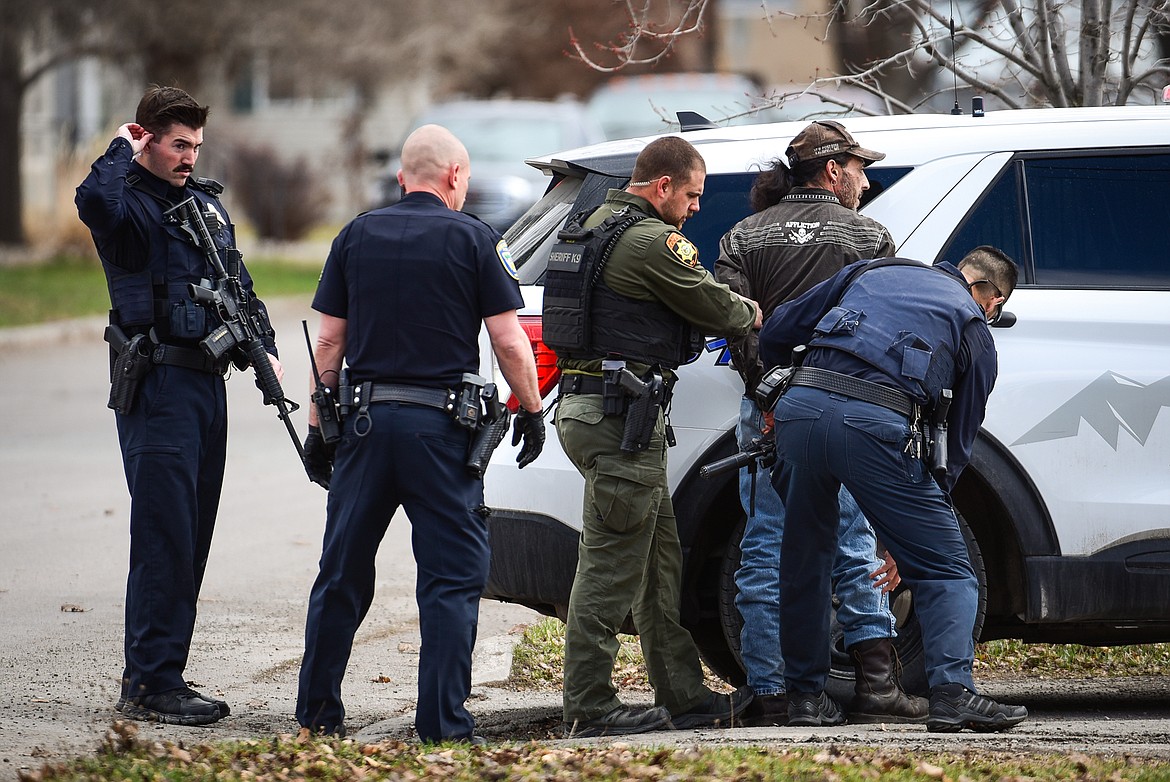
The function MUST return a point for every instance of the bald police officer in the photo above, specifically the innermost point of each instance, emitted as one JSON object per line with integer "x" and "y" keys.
{"x": 402, "y": 297}
{"x": 629, "y": 331}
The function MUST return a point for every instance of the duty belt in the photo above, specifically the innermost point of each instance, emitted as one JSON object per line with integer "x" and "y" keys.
{"x": 581, "y": 384}
{"x": 440, "y": 398}
{"x": 825, "y": 380}
{"x": 190, "y": 358}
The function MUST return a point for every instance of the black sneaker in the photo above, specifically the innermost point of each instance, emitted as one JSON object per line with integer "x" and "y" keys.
{"x": 183, "y": 706}
{"x": 813, "y": 710}
{"x": 954, "y": 707}
{"x": 620, "y": 721}
{"x": 717, "y": 710}
{"x": 766, "y": 711}
{"x": 224, "y": 710}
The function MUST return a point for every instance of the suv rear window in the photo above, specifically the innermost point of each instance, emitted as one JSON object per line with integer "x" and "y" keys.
{"x": 724, "y": 203}
{"x": 1083, "y": 221}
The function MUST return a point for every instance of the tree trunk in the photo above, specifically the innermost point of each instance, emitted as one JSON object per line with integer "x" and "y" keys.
{"x": 11, "y": 95}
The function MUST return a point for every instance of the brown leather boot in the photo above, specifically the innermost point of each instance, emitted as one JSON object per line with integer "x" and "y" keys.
{"x": 877, "y": 696}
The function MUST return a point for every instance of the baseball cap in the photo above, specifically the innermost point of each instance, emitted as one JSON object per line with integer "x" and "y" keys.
{"x": 826, "y": 138}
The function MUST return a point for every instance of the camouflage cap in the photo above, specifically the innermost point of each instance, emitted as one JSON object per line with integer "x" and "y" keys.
{"x": 826, "y": 138}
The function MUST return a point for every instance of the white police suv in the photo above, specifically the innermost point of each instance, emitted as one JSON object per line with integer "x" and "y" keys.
{"x": 1066, "y": 502}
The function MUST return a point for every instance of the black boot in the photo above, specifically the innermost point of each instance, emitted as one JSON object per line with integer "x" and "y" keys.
{"x": 877, "y": 696}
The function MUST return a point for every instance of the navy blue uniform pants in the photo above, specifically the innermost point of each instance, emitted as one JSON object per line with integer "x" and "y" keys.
{"x": 174, "y": 445}
{"x": 825, "y": 440}
{"x": 412, "y": 457}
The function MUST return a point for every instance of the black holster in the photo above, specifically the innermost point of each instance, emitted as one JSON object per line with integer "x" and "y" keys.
{"x": 493, "y": 426}
{"x": 642, "y": 415}
{"x": 131, "y": 363}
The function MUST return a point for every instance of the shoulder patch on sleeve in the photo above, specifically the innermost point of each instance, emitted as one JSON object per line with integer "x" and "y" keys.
{"x": 505, "y": 255}
{"x": 682, "y": 249}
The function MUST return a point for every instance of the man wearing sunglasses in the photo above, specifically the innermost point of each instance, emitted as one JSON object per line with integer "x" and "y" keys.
{"x": 887, "y": 342}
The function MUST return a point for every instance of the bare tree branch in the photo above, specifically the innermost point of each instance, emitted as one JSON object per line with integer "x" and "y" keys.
{"x": 644, "y": 33}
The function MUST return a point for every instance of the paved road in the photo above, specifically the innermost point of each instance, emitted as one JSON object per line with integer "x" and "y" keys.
{"x": 63, "y": 550}
{"x": 63, "y": 557}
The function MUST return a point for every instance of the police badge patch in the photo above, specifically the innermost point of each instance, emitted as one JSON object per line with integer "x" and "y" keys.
{"x": 681, "y": 248}
{"x": 505, "y": 255}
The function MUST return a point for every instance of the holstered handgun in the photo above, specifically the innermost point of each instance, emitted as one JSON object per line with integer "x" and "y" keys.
{"x": 937, "y": 460}
{"x": 491, "y": 433}
{"x": 640, "y": 400}
{"x": 642, "y": 415}
{"x": 776, "y": 381}
{"x": 131, "y": 364}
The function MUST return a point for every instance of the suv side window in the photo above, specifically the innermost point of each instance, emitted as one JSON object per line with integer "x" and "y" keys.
{"x": 1099, "y": 221}
{"x": 727, "y": 200}
{"x": 1092, "y": 220}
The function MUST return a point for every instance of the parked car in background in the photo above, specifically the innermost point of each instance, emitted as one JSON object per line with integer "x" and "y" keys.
{"x": 499, "y": 135}
{"x": 628, "y": 106}
{"x": 1066, "y": 502}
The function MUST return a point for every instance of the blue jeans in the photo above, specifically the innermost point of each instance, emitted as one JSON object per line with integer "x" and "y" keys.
{"x": 827, "y": 441}
{"x": 864, "y": 611}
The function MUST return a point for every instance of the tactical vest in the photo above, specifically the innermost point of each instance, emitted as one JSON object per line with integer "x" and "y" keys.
{"x": 585, "y": 319}
{"x": 157, "y": 295}
{"x": 912, "y": 344}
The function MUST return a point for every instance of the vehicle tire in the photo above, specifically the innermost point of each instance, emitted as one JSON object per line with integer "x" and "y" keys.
{"x": 908, "y": 643}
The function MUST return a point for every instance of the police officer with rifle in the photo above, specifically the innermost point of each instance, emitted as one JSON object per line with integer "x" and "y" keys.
{"x": 182, "y": 309}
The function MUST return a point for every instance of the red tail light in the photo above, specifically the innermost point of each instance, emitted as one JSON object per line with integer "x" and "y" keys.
{"x": 547, "y": 373}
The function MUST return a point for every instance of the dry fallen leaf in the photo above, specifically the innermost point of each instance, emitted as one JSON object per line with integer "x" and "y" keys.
{"x": 930, "y": 770}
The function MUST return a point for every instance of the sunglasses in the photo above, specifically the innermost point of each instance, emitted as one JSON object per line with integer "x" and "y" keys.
{"x": 997, "y": 293}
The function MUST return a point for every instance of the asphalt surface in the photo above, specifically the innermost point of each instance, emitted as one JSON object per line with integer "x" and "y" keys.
{"x": 63, "y": 558}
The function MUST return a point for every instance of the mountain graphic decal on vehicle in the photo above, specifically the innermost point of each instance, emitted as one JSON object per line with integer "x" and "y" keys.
{"x": 1109, "y": 404}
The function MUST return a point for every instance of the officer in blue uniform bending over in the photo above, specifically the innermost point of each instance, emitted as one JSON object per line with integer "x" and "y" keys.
{"x": 888, "y": 342}
{"x": 173, "y": 427}
{"x": 402, "y": 297}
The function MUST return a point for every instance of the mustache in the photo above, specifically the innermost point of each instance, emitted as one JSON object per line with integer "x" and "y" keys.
{"x": 183, "y": 169}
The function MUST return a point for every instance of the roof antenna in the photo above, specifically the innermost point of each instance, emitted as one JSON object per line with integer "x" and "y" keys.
{"x": 954, "y": 54}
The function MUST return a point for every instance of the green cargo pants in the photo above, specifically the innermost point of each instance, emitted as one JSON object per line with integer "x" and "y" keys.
{"x": 629, "y": 559}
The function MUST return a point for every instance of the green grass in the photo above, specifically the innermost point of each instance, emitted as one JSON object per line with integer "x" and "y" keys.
{"x": 70, "y": 287}
{"x": 283, "y": 758}
{"x": 538, "y": 659}
{"x": 1008, "y": 658}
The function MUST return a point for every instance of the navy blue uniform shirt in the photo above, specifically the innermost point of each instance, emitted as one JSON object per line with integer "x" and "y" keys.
{"x": 143, "y": 256}
{"x": 976, "y": 366}
{"x": 414, "y": 281}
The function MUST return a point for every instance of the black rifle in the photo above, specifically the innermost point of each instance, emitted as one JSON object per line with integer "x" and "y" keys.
{"x": 328, "y": 411}
{"x": 760, "y": 451}
{"x": 240, "y": 335}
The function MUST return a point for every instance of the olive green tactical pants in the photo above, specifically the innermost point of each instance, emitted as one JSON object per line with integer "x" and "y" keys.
{"x": 629, "y": 559}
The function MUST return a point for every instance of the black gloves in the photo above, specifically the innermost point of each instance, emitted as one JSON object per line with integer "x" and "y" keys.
{"x": 530, "y": 427}
{"x": 318, "y": 457}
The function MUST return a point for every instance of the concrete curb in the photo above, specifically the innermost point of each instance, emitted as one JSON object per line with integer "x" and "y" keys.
{"x": 57, "y": 332}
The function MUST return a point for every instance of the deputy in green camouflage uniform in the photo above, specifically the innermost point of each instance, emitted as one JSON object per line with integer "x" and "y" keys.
{"x": 629, "y": 557}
